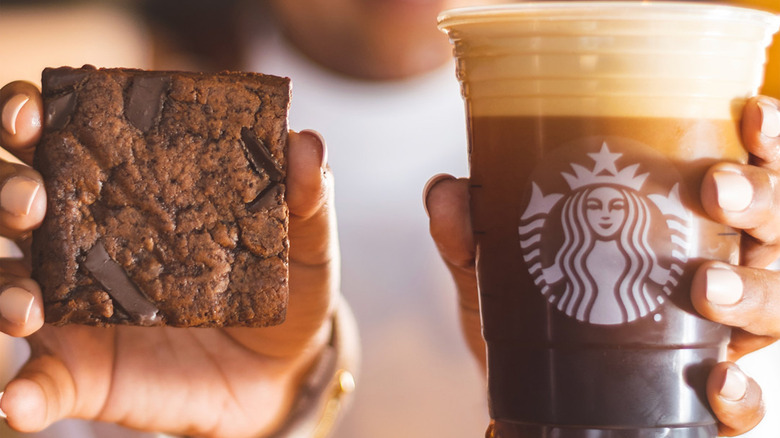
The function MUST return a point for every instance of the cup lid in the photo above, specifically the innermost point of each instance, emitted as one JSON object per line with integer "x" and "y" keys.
{"x": 606, "y": 10}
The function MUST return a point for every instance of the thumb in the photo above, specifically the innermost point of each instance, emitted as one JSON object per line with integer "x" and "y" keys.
{"x": 42, "y": 393}
{"x": 446, "y": 200}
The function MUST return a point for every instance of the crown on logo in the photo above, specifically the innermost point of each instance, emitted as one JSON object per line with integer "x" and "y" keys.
{"x": 605, "y": 172}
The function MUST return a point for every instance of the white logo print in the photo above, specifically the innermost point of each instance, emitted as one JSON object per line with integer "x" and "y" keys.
{"x": 617, "y": 252}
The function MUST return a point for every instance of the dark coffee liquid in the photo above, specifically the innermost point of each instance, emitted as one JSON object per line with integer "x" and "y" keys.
{"x": 588, "y": 231}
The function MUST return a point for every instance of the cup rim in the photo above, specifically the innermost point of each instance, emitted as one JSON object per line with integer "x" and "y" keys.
{"x": 605, "y": 10}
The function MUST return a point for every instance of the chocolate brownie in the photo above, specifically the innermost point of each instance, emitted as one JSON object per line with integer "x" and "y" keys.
{"x": 165, "y": 198}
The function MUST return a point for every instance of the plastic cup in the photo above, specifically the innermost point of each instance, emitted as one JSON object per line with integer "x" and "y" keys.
{"x": 591, "y": 125}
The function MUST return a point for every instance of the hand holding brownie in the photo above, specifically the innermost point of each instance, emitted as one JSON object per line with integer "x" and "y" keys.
{"x": 744, "y": 297}
{"x": 166, "y": 379}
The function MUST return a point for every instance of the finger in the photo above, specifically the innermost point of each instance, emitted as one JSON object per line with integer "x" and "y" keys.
{"x": 21, "y": 107}
{"x": 22, "y": 199}
{"x": 446, "y": 201}
{"x": 21, "y": 306}
{"x": 744, "y": 197}
{"x": 306, "y": 174}
{"x": 761, "y": 131}
{"x": 735, "y": 399}
{"x": 313, "y": 242}
{"x": 739, "y": 297}
{"x": 42, "y": 393}
{"x": 309, "y": 190}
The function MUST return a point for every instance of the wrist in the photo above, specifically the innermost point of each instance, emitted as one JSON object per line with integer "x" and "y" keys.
{"x": 326, "y": 389}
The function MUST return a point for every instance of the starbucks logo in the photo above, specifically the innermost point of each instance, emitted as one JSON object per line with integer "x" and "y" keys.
{"x": 605, "y": 244}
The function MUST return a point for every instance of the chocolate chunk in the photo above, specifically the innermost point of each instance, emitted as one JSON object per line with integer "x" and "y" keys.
{"x": 59, "y": 110}
{"x": 145, "y": 100}
{"x": 260, "y": 157}
{"x": 266, "y": 199}
{"x": 119, "y": 285}
{"x": 67, "y": 79}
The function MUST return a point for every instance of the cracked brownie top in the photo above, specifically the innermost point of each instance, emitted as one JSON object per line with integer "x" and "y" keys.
{"x": 165, "y": 198}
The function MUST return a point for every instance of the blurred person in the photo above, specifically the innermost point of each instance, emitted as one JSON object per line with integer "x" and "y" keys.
{"x": 376, "y": 80}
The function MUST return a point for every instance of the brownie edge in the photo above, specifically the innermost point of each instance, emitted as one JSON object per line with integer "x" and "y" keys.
{"x": 166, "y": 198}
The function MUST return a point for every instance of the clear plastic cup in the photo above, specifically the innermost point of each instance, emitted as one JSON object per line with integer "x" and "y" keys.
{"x": 591, "y": 125}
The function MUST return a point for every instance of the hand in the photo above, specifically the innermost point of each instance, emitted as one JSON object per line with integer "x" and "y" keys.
{"x": 744, "y": 296}
{"x": 746, "y": 197}
{"x": 232, "y": 382}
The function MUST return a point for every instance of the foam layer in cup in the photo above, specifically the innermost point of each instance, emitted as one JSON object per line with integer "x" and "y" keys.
{"x": 656, "y": 59}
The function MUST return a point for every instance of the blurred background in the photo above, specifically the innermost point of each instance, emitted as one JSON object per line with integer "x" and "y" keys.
{"x": 385, "y": 139}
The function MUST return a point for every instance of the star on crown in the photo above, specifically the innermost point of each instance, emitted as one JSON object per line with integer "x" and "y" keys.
{"x": 605, "y": 172}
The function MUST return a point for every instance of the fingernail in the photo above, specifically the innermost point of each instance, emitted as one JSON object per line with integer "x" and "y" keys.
{"x": 323, "y": 146}
{"x": 16, "y": 304}
{"x": 735, "y": 385}
{"x": 429, "y": 185}
{"x": 17, "y": 195}
{"x": 735, "y": 193}
{"x": 770, "y": 119}
{"x": 2, "y": 414}
{"x": 11, "y": 112}
{"x": 724, "y": 287}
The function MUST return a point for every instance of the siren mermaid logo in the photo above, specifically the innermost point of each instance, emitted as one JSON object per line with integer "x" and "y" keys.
{"x": 613, "y": 252}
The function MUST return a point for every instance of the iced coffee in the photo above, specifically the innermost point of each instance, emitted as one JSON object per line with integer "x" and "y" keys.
{"x": 591, "y": 126}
